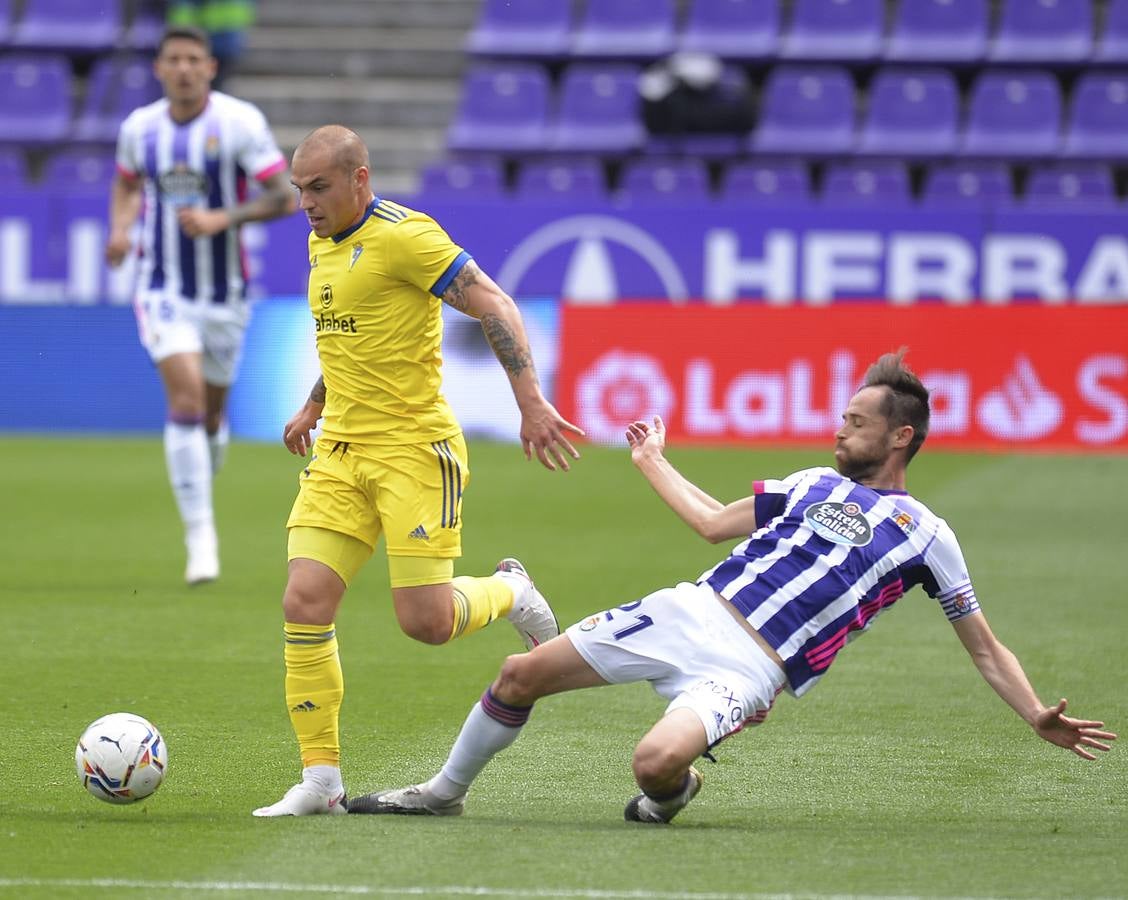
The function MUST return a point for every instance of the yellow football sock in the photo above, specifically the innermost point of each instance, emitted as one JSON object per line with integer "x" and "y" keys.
{"x": 314, "y": 690}
{"x": 478, "y": 601}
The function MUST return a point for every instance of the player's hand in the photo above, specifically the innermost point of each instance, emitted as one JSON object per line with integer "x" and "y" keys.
{"x": 298, "y": 433}
{"x": 198, "y": 222}
{"x": 645, "y": 440}
{"x": 542, "y": 432}
{"x": 117, "y": 247}
{"x": 1072, "y": 734}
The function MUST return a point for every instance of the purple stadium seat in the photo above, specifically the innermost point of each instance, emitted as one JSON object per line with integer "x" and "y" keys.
{"x": 599, "y": 109}
{"x": 5, "y": 21}
{"x": 146, "y": 27}
{"x": 835, "y": 30}
{"x": 79, "y": 25}
{"x": 912, "y": 112}
{"x": 34, "y": 98}
{"x": 116, "y": 86}
{"x": 1070, "y": 184}
{"x": 967, "y": 185}
{"x": 945, "y": 31}
{"x": 628, "y": 29}
{"x": 766, "y": 183}
{"x": 806, "y": 110}
{"x": 504, "y": 108}
{"x": 657, "y": 182}
{"x": 579, "y": 180}
{"x": 1112, "y": 45}
{"x": 84, "y": 170}
{"x": 533, "y": 28}
{"x": 1098, "y": 117}
{"x": 732, "y": 29}
{"x": 1043, "y": 31}
{"x": 1013, "y": 114}
{"x": 457, "y": 178}
{"x": 13, "y": 168}
{"x": 870, "y": 185}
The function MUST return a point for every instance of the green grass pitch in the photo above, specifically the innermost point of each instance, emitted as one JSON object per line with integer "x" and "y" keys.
{"x": 901, "y": 775}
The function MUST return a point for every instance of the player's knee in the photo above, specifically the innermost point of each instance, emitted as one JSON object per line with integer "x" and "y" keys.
{"x": 426, "y": 630}
{"x": 517, "y": 683}
{"x": 655, "y": 766}
{"x": 302, "y": 605}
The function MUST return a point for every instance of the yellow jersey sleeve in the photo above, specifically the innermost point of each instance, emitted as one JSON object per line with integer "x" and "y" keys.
{"x": 424, "y": 255}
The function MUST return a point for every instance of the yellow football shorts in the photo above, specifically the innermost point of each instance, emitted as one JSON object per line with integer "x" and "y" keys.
{"x": 411, "y": 494}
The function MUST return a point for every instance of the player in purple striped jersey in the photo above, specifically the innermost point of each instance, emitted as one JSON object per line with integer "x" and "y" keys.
{"x": 825, "y": 551}
{"x": 183, "y": 161}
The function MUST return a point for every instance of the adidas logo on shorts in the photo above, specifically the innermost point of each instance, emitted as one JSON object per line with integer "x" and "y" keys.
{"x": 419, "y": 534}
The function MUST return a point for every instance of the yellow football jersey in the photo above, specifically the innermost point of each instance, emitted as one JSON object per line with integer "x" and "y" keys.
{"x": 374, "y": 293}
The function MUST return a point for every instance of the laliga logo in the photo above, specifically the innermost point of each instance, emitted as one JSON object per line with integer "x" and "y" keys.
{"x": 620, "y": 388}
{"x": 590, "y": 273}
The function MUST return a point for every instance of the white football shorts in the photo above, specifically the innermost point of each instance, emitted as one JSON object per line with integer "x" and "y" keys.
{"x": 691, "y": 650}
{"x": 168, "y": 324}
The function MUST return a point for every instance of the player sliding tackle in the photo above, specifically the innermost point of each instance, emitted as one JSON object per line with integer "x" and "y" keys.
{"x": 829, "y": 549}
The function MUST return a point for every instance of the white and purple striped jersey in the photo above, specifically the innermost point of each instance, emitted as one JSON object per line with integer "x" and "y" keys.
{"x": 204, "y": 162}
{"x": 828, "y": 555}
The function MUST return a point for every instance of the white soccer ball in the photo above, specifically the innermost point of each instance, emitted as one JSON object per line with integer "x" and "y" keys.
{"x": 121, "y": 758}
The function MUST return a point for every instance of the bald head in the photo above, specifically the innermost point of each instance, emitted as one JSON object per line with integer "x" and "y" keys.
{"x": 339, "y": 146}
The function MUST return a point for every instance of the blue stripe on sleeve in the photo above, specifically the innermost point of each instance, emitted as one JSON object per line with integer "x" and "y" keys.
{"x": 440, "y": 286}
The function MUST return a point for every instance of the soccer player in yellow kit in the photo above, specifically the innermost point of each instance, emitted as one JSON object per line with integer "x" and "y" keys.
{"x": 390, "y": 458}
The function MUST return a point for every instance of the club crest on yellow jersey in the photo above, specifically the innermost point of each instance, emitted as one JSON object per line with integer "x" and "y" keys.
{"x": 357, "y": 249}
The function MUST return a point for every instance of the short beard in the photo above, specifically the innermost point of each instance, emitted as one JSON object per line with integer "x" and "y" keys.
{"x": 858, "y": 469}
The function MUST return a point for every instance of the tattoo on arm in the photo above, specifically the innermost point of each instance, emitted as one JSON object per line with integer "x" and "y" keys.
{"x": 317, "y": 395}
{"x": 455, "y": 294}
{"x": 514, "y": 357}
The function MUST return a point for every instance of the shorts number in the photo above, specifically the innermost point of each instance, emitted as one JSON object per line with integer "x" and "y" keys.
{"x": 640, "y": 622}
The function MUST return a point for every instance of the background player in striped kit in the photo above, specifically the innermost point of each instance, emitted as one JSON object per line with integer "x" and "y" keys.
{"x": 829, "y": 550}
{"x": 185, "y": 159}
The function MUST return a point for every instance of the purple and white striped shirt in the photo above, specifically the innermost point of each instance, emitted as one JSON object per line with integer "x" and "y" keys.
{"x": 828, "y": 556}
{"x": 204, "y": 162}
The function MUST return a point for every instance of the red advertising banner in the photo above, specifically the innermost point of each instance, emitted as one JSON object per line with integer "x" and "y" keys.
{"x": 1002, "y": 378}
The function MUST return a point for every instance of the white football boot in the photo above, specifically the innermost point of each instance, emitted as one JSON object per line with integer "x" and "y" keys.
{"x": 306, "y": 799}
{"x": 203, "y": 554}
{"x": 415, "y": 800}
{"x": 531, "y": 615}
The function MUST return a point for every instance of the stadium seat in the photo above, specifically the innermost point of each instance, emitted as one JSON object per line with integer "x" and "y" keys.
{"x": 146, "y": 26}
{"x": 504, "y": 108}
{"x": 13, "y": 168}
{"x": 943, "y": 31}
{"x": 1112, "y": 44}
{"x": 967, "y": 185}
{"x": 835, "y": 30}
{"x": 5, "y": 21}
{"x": 732, "y": 29}
{"x": 912, "y": 112}
{"x": 872, "y": 185}
{"x": 73, "y": 25}
{"x": 658, "y": 182}
{"x": 1013, "y": 114}
{"x": 34, "y": 98}
{"x": 1097, "y": 125}
{"x": 598, "y": 109}
{"x": 626, "y": 29}
{"x": 84, "y": 170}
{"x": 471, "y": 179}
{"x": 806, "y": 110}
{"x": 1043, "y": 31}
{"x": 532, "y": 28}
{"x": 579, "y": 180}
{"x": 766, "y": 183}
{"x": 1070, "y": 185}
{"x": 116, "y": 86}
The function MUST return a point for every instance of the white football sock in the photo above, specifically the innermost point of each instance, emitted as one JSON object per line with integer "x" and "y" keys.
{"x": 217, "y": 446}
{"x": 325, "y": 777}
{"x": 480, "y": 740}
{"x": 189, "y": 471}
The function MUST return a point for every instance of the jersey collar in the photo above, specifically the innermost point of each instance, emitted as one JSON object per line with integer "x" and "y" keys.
{"x": 368, "y": 210}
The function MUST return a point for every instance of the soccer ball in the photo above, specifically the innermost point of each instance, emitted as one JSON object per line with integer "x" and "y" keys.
{"x": 121, "y": 758}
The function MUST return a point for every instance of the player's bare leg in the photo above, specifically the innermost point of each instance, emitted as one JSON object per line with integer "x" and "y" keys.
{"x": 662, "y": 765}
{"x": 215, "y": 423}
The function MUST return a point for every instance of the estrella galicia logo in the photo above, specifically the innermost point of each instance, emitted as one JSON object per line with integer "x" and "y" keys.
{"x": 181, "y": 186}
{"x": 326, "y": 296}
{"x": 842, "y": 523}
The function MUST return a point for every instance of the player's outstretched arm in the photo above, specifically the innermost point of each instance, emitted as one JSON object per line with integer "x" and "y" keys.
{"x": 298, "y": 433}
{"x": 543, "y": 429}
{"x": 713, "y": 520}
{"x": 1001, "y": 669}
